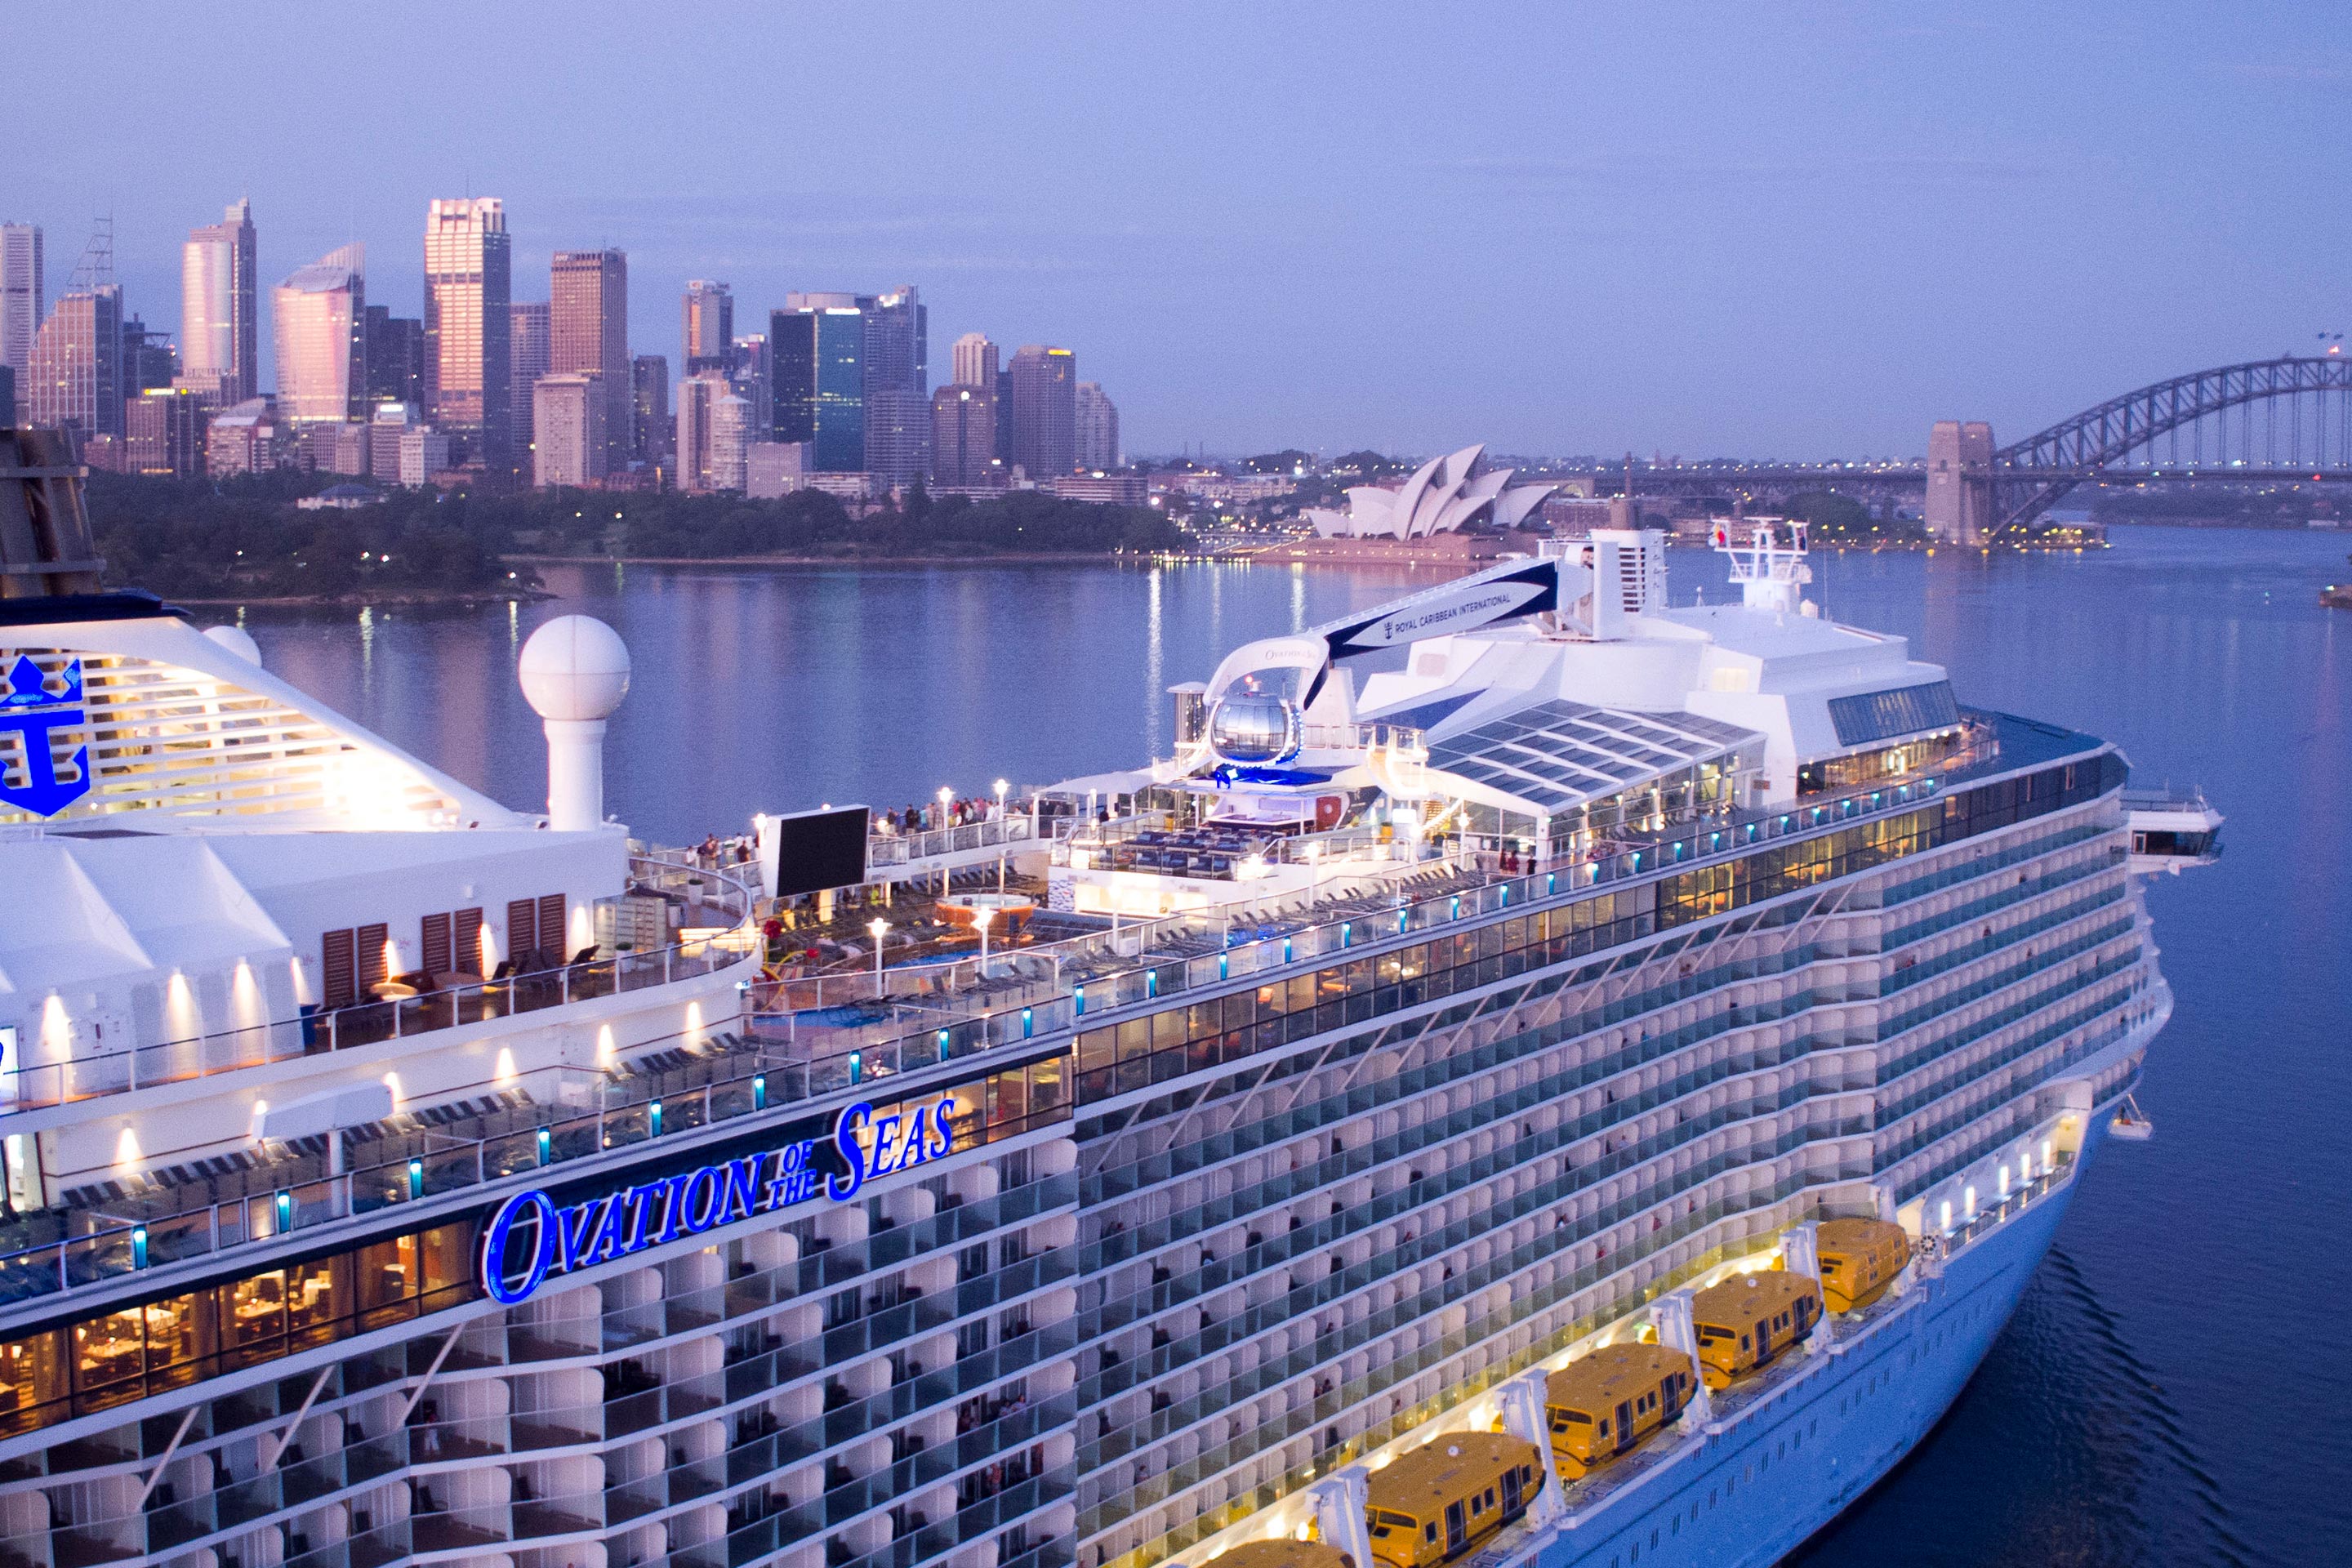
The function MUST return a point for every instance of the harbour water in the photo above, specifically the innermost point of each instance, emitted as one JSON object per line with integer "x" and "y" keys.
{"x": 2172, "y": 1389}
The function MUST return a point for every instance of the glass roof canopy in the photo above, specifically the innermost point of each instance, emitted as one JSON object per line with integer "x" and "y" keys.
{"x": 1556, "y": 756}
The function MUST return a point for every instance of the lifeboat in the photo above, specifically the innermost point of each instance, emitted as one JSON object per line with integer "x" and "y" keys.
{"x": 1860, "y": 1258}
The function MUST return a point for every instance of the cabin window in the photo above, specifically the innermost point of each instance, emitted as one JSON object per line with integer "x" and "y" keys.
{"x": 1578, "y": 1416}
{"x": 1428, "y": 1531}
{"x": 1743, "y": 1342}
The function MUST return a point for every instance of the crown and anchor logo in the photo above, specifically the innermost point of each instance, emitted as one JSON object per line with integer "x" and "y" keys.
{"x": 35, "y": 713}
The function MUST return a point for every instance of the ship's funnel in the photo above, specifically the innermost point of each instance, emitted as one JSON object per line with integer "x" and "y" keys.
{"x": 574, "y": 670}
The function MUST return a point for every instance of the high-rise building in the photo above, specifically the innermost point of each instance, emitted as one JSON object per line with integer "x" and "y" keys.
{"x": 388, "y": 424}
{"x": 164, "y": 432}
{"x": 898, "y": 344}
{"x": 974, "y": 361}
{"x": 220, "y": 306}
{"x": 1097, "y": 419}
{"x": 570, "y": 447}
{"x": 697, "y": 396}
{"x": 649, "y": 397}
{"x": 529, "y": 357}
{"x": 1045, "y": 385}
{"x": 730, "y": 441}
{"x": 243, "y": 438}
{"x": 897, "y": 436}
{"x": 708, "y": 334}
{"x": 963, "y": 436}
{"x": 22, "y": 303}
{"x": 319, "y": 316}
{"x": 820, "y": 380}
{"x": 149, "y": 358}
{"x": 424, "y": 453}
{"x": 395, "y": 357}
{"x": 74, "y": 379}
{"x": 588, "y": 330}
{"x": 754, "y": 378}
{"x": 468, "y": 268}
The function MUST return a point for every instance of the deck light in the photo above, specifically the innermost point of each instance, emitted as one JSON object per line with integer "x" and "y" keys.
{"x": 875, "y": 929}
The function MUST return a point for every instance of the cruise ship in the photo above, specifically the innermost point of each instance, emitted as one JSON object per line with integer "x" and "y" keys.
{"x": 1493, "y": 999}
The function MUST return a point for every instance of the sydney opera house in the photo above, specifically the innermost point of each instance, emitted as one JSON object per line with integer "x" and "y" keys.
{"x": 1445, "y": 495}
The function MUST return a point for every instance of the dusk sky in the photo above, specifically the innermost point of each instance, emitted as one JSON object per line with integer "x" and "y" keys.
{"x": 1720, "y": 229}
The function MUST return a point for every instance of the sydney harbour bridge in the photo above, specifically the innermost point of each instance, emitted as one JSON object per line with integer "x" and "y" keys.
{"x": 2284, "y": 420}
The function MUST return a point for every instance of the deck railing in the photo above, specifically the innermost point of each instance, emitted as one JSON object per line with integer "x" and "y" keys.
{"x": 314, "y": 1030}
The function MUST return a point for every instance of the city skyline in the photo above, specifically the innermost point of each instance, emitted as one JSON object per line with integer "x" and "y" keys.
{"x": 1855, "y": 224}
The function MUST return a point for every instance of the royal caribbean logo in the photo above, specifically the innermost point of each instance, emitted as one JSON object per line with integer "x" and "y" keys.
{"x": 35, "y": 713}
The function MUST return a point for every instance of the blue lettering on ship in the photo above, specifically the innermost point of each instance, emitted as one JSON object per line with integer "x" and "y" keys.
{"x": 635, "y": 1218}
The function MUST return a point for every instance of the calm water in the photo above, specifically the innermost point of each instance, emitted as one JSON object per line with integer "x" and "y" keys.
{"x": 2173, "y": 1390}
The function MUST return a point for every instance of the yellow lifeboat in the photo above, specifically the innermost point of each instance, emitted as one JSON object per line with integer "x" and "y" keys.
{"x": 1860, "y": 1258}
{"x": 1749, "y": 1318}
{"x": 1604, "y": 1403}
{"x": 1445, "y": 1497}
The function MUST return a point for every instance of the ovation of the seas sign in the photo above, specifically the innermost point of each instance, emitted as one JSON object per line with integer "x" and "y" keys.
{"x": 530, "y": 1237}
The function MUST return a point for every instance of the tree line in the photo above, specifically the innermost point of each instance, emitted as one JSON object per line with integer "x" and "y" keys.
{"x": 246, "y": 536}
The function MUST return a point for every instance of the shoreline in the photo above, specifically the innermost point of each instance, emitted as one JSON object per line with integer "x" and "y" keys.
{"x": 360, "y": 601}
{"x": 1024, "y": 558}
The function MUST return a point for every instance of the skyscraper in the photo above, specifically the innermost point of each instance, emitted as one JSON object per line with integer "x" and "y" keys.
{"x": 963, "y": 435}
{"x": 468, "y": 264}
{"x": 819, "y": 381}
{"x": 319, "y": 315}
{"x": 1097, "y": 421}
{"x": 220, "y": 306}
{"x": 588, "y": 330}
{"x": 708, "y": 334}
{"x": 147, "y": 358}
{"x": 567, "y": 423}
{"x": 697, "y": 396}
{"x": 1044, "y": 411}
{"x": 754, "y": 378}
{"x": 166, "y": 429}
{"x": 75, "y": 380}
{"x": 974, "y": 361}
{"x": 898, "y": 344}
{"x": 897, "y": 436}
{"x": 649, "y": 379}
{"x": 730, "y": 441}
{"x": 527, "y": 359}
{"x": 395, "y": 357}
{"x": 21, "y": 300}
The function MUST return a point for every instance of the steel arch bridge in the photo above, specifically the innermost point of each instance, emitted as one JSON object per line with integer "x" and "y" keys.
{"x": 2306, "y": 433}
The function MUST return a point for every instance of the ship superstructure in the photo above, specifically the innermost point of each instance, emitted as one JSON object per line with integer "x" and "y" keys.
{"x": 397, "y": 1176}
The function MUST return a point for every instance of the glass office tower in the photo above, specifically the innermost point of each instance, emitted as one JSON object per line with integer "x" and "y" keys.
{"x": 320, "y": 314}
{"x": 468, "y": 265}
{"x": 820, "y": 382}
{"x": 219, "y": 344}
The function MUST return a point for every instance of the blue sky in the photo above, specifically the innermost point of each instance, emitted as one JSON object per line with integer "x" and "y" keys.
{"x": 1790, "y": 230}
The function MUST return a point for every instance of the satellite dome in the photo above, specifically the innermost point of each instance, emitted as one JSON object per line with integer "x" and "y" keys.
{"x": 237, "y": 640}
{"x": 574, "y": 666}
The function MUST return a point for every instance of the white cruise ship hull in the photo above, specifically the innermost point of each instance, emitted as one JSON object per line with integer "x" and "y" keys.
{"x": 1747, "y": 1490}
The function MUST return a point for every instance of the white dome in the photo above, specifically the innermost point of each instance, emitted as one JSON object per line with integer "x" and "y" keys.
{"x": 237, "y": 640}
{"x": 574, "y": 666}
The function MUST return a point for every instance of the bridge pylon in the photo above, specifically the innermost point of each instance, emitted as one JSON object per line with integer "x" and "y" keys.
{"x": 1960, "y": 501}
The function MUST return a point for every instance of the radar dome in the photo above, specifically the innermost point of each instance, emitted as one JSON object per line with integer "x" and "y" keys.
{"x": 574, "y": 666}
{"x": 237, "y": 640}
